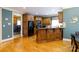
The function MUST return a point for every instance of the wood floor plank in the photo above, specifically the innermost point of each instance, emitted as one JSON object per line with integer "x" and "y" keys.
{"x": 29, "y": 44}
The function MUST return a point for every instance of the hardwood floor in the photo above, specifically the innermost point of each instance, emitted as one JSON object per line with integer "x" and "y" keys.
{"x": 25, "y": 44}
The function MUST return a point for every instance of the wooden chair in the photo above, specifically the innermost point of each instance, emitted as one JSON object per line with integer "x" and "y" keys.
{"x": 74, "y": 43}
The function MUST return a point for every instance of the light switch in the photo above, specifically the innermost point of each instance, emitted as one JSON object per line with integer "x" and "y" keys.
{"x": 9, "y": 23}
{"x": 6, "y": 19}
{"x": 8, "y": 35}
{"x": 3, "y": 25}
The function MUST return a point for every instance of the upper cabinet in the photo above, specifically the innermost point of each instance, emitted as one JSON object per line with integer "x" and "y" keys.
{"x": 60, "y": 17}
{"x": 47, "y": 20}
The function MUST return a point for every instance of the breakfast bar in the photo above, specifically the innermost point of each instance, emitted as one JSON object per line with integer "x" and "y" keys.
{"x": 48, "y": 34}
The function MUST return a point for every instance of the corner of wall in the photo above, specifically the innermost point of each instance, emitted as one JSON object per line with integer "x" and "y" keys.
{"x": 0, "y": 24}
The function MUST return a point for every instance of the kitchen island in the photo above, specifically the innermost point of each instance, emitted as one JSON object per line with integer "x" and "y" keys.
{"x": 49, "y": 34}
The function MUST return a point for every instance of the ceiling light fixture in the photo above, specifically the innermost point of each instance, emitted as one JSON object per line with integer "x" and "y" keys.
{"x": 24, "y": 7}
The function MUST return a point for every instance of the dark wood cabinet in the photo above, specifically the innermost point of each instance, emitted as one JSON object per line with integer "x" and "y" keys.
{"x": 60, "y": 17}
{"x": 25, "y": 25}
{"x": 49, "y": 34}
{"x": 26, "y": 19}
{"x": 41, "y": 35}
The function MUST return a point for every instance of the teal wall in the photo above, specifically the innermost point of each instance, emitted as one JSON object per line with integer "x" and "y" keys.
{"x": 70, "y": 27}
{"x": 6, "y": 24}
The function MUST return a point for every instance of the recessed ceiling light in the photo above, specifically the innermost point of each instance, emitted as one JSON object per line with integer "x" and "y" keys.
{"x": 36, "y": 13}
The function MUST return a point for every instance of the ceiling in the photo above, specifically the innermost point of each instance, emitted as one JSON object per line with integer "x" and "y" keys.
{"x": 40, "y": 11}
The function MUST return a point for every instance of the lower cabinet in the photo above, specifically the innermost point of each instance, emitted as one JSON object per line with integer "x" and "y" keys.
{"x": 46, "y": 35}
{"x": 41, "y": 35}
{"x": 50, "y": 35}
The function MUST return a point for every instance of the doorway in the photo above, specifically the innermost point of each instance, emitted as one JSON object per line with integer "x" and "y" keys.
{"x": 16, "y": 26}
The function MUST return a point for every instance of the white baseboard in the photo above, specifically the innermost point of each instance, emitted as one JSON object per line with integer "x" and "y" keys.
{"x": 6, "y": 39}
{"x": 66, "y": 39}
{"x": 9, "y": 39}
{"x": 2, "y": 42}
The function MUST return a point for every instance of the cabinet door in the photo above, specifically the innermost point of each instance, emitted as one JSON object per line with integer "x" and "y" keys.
{"x": 25, "y": 28}
{"x": 41, "y": 35}
{"x": 60, "y": 17}
{"x": 50, "y": 35}
{"x": 58, "y": 34}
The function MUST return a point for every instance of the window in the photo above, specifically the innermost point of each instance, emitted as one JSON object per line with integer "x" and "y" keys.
{"x": 55, "y": 23}
{"x": 18, "y": 22}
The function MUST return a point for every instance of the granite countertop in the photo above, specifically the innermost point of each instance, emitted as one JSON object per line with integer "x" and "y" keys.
{"x": 48, "y": 28}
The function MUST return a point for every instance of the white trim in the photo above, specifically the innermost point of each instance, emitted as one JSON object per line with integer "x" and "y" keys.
{"x": 12, "y": 24}
{"x": 4, "y": 40}
{"x": 66, "y": 39}
{"x": 21, "y": 26}
{"x": 14, "y": 13}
